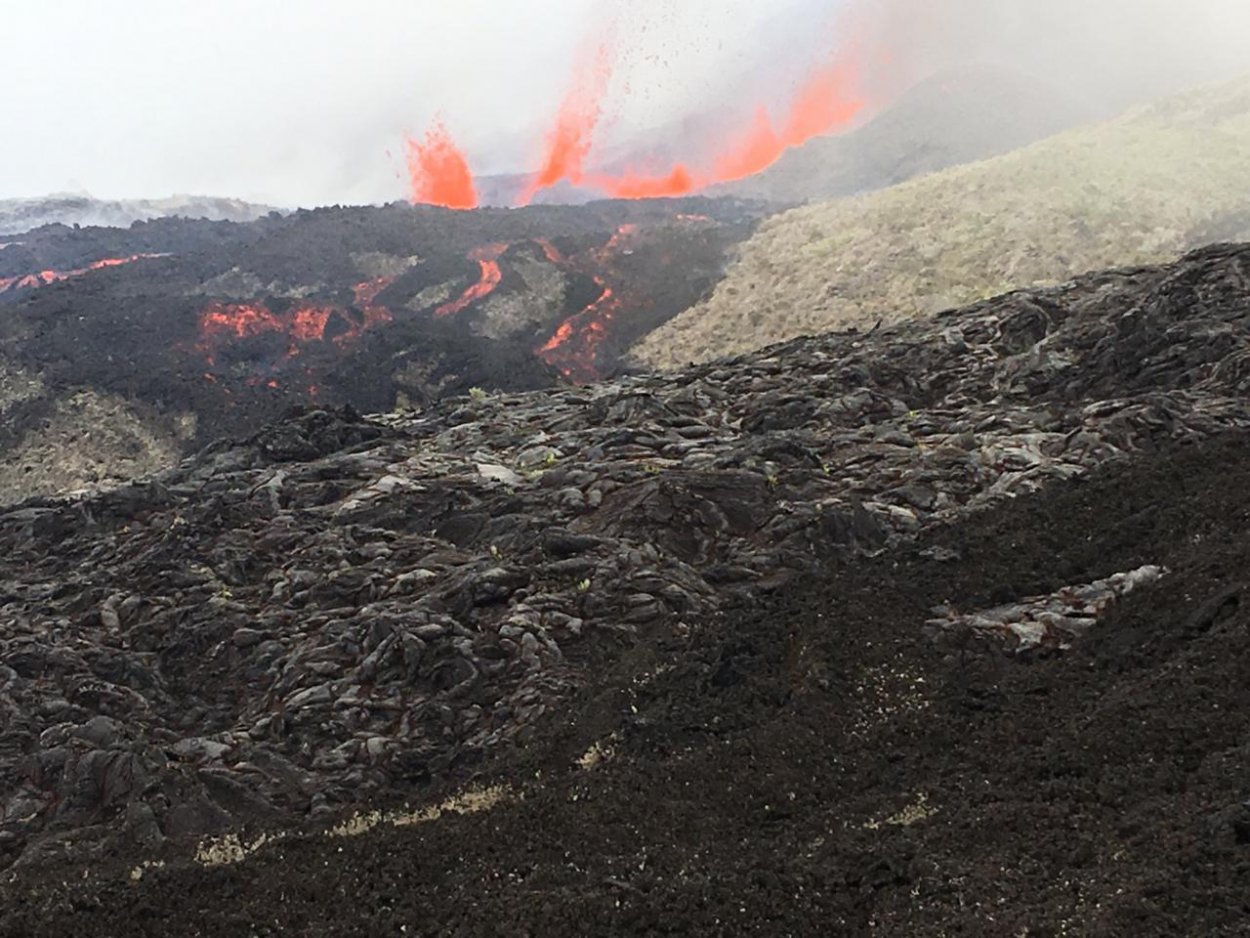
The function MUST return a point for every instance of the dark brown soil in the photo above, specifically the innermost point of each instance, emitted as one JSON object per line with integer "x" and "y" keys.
{"x": 815, "y": 764}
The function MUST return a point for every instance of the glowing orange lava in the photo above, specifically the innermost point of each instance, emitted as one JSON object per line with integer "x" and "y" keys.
{"x": 573, "y": 348}
{"x": 438, "y": 171}
{"x": 222, "y": 323}
{"x": 570, "y": 140}
{"x": 366, "y": 295}
{"x": 827, "y": 100}
{"x": 309, "y": 323}
{"x": 824, "y": 103}
{"x": 634, "y": 185}
{"x": 487, "y": 258}
{"x": 44, "y": 277}
{"x": 238, "y": 319}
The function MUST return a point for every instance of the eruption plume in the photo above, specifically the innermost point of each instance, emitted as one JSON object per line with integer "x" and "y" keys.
{"x": 438, "y": 170}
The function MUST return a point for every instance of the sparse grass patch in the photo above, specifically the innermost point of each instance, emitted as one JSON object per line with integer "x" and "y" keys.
{"x": 1136, "y": 190}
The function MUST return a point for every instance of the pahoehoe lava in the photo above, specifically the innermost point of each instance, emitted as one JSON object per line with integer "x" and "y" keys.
{"x": 930, "y": 629}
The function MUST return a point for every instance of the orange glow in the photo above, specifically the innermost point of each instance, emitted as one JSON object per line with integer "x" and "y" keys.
{"x": 487, "y": 258}
{"x": 226, "y": 322}
{"x": 238, "y": 319}
{"x": 222, "y": 323}
{"x": 551, "y": 251}
{"x": 309, "y": 323}
{"x": 44, "y": 277}
{"x": 366, "y": 295}
{"x": 824, "y": 103}
{"x": 569, "y": 142}
{"x": 573, "y": 348}
{"x": 680, "y": 181}
{"x": 439, "y": 172}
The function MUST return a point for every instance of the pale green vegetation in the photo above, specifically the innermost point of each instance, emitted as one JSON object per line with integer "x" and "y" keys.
{"x": 1140, "y": 189}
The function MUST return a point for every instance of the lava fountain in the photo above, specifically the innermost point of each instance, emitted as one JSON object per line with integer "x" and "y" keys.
{"x": 438, "y": 170}
{"x": 826, "y": 101}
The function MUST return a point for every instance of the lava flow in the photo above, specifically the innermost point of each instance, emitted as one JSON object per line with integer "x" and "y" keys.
{"x": 573, "y": 349}
{"x": 570, "y": 140}
{"x": 228, "y": 322}
{"x": 438, "y": 171}
{"x": 487, "y": 258}
{"x": 44, "y": 277}
{"x": 222, "y": 323}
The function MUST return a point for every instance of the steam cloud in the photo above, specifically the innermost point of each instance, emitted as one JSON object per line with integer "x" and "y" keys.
{"x": 300, "y": 105}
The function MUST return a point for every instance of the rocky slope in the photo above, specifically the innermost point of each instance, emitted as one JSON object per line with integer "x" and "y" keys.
{"x": 174, "y": 332}
{"x": 21, "y": 215}
{"x": 559, "y": 600}
{"x": 1140, "y": 189}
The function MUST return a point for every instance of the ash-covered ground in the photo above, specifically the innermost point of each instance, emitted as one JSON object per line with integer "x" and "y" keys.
{"x": 936, "y": 629}
{"x": 194, "y": 330}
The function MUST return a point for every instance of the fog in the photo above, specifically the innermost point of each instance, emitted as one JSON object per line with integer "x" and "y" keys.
{"x": 309, "y": 103}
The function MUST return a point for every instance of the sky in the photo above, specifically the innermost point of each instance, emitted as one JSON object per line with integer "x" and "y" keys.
{"x": 300, "y": 102}
{"x": 308, "y": 102}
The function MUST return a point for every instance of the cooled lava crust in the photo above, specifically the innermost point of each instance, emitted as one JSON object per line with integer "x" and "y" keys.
{"x": 235, "y": 323}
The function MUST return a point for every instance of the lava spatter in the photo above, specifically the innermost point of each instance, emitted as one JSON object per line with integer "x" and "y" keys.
{"x": 438, "y": 171}
{"x": 827, "y": 100}
{"x": 824, "y": 103}
{"x": 366, "y": 297}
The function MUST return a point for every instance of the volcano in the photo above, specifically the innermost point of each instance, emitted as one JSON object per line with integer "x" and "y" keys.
{"x": 220, "y": 327}
{"x": 796, "y": 643}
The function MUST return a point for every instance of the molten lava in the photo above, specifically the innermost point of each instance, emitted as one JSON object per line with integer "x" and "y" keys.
{"x": 438, "y": 171}
{"x": 308, "y": 324}
{"x": 826, "y": 101}
{"x": 44, "y": 277}
{"x": 221, "y": 323}
{"x": 570, "y": 140}
{"x": 573, "y": 348}
{"x": 487, "y": 258}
